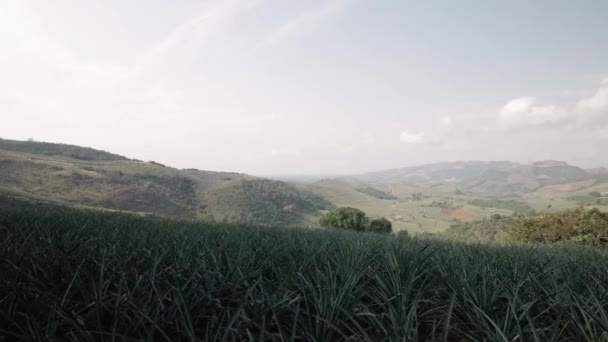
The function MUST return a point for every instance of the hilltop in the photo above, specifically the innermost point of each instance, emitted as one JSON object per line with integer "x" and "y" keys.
{"x": 84, "y": 177}
{"x": 486, "y": 178}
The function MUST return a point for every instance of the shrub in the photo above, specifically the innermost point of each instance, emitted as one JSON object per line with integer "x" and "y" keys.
{"x": 380, "y": 225}
{"x": 581, "y": 226}
{"x": 345, "y": 218}
{"x": 403, "y": 233}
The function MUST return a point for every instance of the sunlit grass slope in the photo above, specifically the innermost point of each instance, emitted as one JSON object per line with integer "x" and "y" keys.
{"x": 86, "y": 276}
{"x": 85, "y": 177}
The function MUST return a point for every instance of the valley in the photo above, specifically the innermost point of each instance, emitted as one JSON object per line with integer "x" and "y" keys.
{"x": 427, "y": 199}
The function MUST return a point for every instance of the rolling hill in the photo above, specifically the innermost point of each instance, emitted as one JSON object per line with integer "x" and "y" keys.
{"x": 432, "y": 198}
{"x": 428, "y": 198}
{"x": 85, "y": 177}
{"x": 498, "y": 178}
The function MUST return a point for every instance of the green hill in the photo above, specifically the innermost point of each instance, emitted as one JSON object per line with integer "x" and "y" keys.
{"x": 432, "y": 198}
{"x": 482, "y": 178}
{"x": 63, "y": 150}
{"x": 84, "y": 177}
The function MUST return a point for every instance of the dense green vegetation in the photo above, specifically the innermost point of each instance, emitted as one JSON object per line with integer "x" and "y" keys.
{"x": 354, "y": 219}
{"x": 492, "y": 229}
{"x": 380, "y": 225}
{"x": 444, "y": 205}
{"x": 51, "y": 149}
{"x": 71, "y": 275}
{"x": 578, "y": 226}
{"x": 376, "y": 193}
{"x": 517, "y": 206}
{"x": 581, "y": 226}
{"x": 266, "y": 202}
{"x": 345, "y": 218}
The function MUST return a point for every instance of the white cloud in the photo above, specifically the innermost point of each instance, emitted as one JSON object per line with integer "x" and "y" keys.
{"x": 524, "y": 111}
{"x": 411, "y": 138}
{"x": 593, "y": 110}
{"x": 596, "y": 103}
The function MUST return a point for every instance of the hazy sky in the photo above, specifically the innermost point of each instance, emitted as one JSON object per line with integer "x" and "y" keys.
{"x": 283, "y": 87}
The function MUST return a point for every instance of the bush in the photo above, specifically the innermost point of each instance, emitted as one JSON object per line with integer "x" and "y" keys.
{"x": 581, "y": 226}
{"x": 355, "y": 219}
{"x": 345, "y": 218}
{"x": 403, "y": 233}
{"x": 380, "y": 225}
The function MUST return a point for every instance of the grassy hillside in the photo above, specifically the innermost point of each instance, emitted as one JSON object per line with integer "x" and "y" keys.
{"x": 432, "y": 198}
{"x": 63, "y": 150}
{"x": 578, "y": 226}
{"x": 482, "y": 178}
{"x": 262, "y": 201}
{"x": 52, "y": 173}
{"x": 421, "y": 209}
{"x": 86, "y": 276}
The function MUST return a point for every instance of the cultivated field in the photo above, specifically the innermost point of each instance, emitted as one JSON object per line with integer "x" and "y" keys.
{"x": 440, "y": 206}
{"x": 87, "y": 276}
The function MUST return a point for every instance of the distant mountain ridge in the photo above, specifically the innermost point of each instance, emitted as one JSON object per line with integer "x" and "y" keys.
{"x": 79, "y": 176}
{"x": 481, "y": 177}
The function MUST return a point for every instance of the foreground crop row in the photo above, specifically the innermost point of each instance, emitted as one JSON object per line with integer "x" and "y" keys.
{"x": 85, "y": 276}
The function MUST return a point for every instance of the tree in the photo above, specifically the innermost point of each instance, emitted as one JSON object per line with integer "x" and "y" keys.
{"x": 355, "y": 219}
{"x": 595, "y": 194}
{"x": 380, "y": 225}
{"x": 345, "y": 218}
{"x": 403, "y": 233}
{"x": 581, "y": 226}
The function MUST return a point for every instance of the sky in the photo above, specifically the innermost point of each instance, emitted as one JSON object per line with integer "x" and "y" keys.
{"x": 279, "y": 87}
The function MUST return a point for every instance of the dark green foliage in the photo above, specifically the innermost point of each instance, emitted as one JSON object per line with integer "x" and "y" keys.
{"x": 492, "y": 229}
{"x": 376, "y": 193}
{"x": 380, "y": 225}
{"x": 444, "y": 205}
{"x": 355, "y": 219}
{"x": 86, "y": 276}
{"x": 50, "y": 149}
{"x": 266, "y": 202}
{"x": 595, "y": 194}
{"x": 403, "y": 234}
{"x": 517, "y": 206}
{"x": 345, "y": 218}
{"x": 581, "y": 226}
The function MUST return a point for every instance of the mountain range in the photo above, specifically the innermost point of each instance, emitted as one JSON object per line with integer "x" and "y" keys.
{"x": 85, "y": 177}
{"x": 495, "y": 178}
